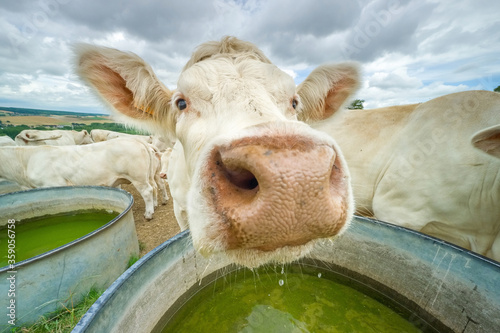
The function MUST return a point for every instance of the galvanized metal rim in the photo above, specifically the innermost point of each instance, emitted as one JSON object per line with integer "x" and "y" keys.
{"x": 78, "y": 240}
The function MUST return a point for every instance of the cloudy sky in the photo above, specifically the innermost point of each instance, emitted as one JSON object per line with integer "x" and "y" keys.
{"x": 410, "y": 50}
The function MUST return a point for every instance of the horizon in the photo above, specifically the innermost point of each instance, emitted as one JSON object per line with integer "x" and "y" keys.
{"x": 3, "y": 107}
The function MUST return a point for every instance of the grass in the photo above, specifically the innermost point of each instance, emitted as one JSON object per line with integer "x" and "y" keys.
{"x": 63, "y": 320}
{"x": 142, "y": 246}
{"x": 133, "y": 259}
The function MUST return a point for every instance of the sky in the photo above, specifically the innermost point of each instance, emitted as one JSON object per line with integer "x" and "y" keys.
{"x": 409, "y": 51}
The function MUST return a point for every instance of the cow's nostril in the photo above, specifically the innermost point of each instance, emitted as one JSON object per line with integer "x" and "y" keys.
{"x": 241, "y": 178}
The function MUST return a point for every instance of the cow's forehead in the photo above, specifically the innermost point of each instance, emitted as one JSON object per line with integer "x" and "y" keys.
{"x": 212, "y": 76}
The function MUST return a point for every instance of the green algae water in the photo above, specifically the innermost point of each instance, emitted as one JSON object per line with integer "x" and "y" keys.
{"x": 41, "y": 234}
{"x": 289, "y": 302}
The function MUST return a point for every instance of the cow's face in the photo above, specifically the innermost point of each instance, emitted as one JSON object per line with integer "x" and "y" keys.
{"x": 85, "y": 137}
{"x": 262, "y": 185}
{"x": 218, "y": 98}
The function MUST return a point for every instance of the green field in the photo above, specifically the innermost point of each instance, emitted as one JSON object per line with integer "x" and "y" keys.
{"x": 14, "y": 120}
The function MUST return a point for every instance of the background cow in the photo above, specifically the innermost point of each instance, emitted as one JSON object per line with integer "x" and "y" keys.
{"x": 415, "y": 165}
{"x": 54, "y": 138}
{"x": 162, "y": 143}
{"x": 160, "y": 189}
{"x": 6, "y": 141}
{"x": 258, "y": 184}
{"x": 99, "y": 135}
{"x": 109, "y": 163}
{"x": 165, "y": 158}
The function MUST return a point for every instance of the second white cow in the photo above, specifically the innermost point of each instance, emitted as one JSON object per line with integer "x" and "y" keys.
{"x": 109, "y": 163}
{"x": 415, "y": 166}
{"x": 54, "y": 137}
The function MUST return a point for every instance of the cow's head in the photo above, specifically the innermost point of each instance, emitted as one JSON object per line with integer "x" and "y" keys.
{"x": 263, "y": 186}
{"x": 83, "y": 137}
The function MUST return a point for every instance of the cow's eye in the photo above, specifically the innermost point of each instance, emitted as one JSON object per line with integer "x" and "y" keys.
{"x": 181, "y": 104}
{"x": 294, "y": 103}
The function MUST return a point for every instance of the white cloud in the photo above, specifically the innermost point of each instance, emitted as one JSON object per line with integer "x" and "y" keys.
{"x": 397, "y": 79}
{"x": 409, "y": 50}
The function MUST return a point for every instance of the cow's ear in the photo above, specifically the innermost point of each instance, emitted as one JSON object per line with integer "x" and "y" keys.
{"x": 128, "y": 85}
{"x": 488, "y": 140}
{"x": 327, "y": 89}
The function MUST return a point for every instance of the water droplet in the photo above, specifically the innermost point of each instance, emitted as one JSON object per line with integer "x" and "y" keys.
{"x": 282, "y": 269}
{"x": 319, "y": 275}
{"x": 281, "y": 282}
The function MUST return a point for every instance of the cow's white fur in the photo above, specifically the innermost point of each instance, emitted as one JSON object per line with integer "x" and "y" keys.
{"x": 159, "y": 187}
{"x": 7, "y": 141}
{"x": 99, "y": 135}
{"x": 165, "y": 160}
{"x": 488, "y": 140}
{"x": 53, "y": 137}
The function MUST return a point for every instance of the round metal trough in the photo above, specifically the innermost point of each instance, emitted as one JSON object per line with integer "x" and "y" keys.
{"x": 445, "y": 287}
{"x": 43, "y": 283}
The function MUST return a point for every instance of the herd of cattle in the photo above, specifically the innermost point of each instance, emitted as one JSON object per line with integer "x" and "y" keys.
{"x": 105, "y": 158}
{"x": 261, "y": 169}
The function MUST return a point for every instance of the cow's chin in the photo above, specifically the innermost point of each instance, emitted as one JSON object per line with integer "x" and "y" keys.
{"x": 253, "y": 258}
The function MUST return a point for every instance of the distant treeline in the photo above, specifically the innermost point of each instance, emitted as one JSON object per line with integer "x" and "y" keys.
{"x": 12, "y": 131}
{"x": 49, "y": 112}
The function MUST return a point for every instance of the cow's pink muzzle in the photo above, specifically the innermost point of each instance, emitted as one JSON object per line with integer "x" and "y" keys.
{"x": 276, "y": 191}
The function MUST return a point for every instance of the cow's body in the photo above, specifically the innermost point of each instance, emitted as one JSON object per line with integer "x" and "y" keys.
{"x": 112, "y": 163}
{"x": 99, "y": 135}
{"x": 53, "y": 138}
{"x": 178, "y": 182}
{"x": 160, "y": 189}
{"x": 6, "y": 141}
{"x": 252, "y": 181}
{"x": 415, "y": 166}
{"x": 162, "y": 143}
{"x": 165, "y": 161}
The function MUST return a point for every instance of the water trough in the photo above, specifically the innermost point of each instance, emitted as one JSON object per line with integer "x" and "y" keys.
{"x": 444, "y": 287}
{"x": 42, "y": 283}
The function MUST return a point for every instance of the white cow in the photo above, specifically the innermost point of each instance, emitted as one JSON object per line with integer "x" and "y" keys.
{"x": 165, "y": 158}
{"x": 55, "y": 138}
{"x": 109, "y": 163}
{"x": 160, "y": 186}
{"x": 162, "y": 143}
{"x": 6, "y": 140}
{"x": 178, "y": 180}
{"x": 254, "y": 182}
{"x": 99, "y": 135}
{"x": 415, "y": 166}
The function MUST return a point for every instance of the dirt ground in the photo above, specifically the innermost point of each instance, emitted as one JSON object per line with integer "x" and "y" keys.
{"x": 156, "y": 231}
